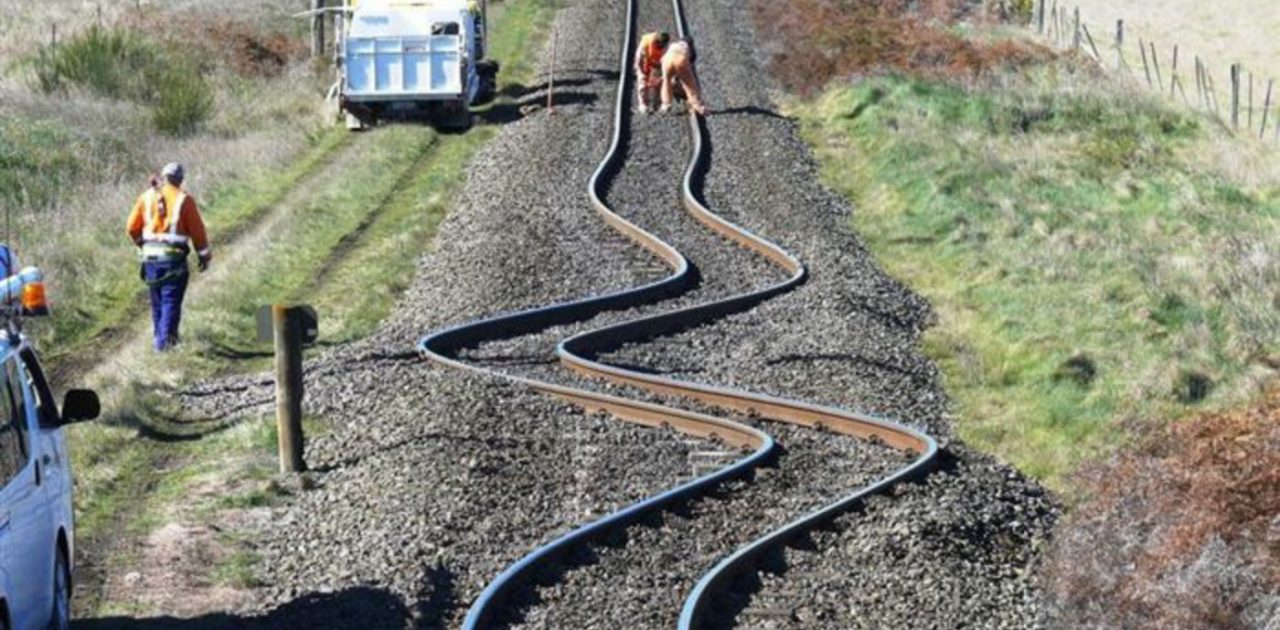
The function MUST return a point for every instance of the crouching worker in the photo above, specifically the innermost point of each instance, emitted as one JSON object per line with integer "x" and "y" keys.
{"x": 165, "y": 224}
{"x": 678, "y": 77}
{"x": 648, "y": 68}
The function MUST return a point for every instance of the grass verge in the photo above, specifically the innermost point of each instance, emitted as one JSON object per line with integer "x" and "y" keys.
{"x": 1088, "y": 267}
{"x": 344, "y": 231}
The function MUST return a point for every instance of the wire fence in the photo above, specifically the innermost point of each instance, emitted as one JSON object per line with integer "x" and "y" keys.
{"x": 1246, "y": 108}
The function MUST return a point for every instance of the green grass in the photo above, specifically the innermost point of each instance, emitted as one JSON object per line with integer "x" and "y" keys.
{"x": 107, "y": 293}
{"x": 41, "y": 159}
{"x": 345, "y": 239}
{"x": 1088, "y": 269}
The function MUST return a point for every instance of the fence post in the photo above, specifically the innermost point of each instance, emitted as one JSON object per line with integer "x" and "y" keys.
{"x": 1040, "y": 15}
{"x": 1250, "y": 109}
{"x": 1119, "y": 44}
{"x": 287, "y": 331}
{"x": 1266, "y": 110}
{"x": 1173, "y": 76}
{"x": 317, "y": 28}
{"x": 1200, "y": 85}
{"x": 1076, "y": 40}
{"x": 1146, "y": 67}
{"x": 1235, "y": 96}
{"x": 1211, "y": 90}
{"x": 1092, "y": 46}
{"x": 1155, "y": 63}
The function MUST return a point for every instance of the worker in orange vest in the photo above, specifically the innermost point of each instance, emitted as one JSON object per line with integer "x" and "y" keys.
{"x": 678, "y": 77}
{"x": 649, "y": 68}
{"x": 165, "y": 224}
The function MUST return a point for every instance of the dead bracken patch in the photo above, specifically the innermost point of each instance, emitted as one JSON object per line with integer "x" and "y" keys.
{"x": 816, "y": 41}
{"x": 1179, "y": 531}
{"x": 242, "y": 47}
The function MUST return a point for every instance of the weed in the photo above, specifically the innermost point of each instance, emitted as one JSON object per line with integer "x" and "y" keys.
{"x": 238, "y": 569}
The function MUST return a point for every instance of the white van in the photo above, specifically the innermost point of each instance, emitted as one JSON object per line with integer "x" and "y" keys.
{"x": 37, "y": 536}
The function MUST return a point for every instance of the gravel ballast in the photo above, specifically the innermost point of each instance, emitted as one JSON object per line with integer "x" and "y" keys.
{"x": 432, "y": 480}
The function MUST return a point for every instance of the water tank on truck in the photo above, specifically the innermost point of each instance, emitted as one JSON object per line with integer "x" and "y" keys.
{"x": 413, "y": 58}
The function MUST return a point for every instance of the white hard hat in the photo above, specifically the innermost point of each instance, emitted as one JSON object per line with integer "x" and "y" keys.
{"x": 173, "y": 172}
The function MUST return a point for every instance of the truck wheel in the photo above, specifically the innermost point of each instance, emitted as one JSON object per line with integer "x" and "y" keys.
{"x": 60, "y": 616}
{"x": 456, "y": 117}
{"x": 355, "y": 123}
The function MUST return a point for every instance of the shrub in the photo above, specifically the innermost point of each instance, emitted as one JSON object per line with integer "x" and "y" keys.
{"x": 183, "y": 101}
{"x": 116, "y": 63}
{"x": 110, "y": 63}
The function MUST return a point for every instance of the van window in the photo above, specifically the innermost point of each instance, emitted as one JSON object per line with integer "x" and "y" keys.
{"x": 46, "y": 408}
{"x": 18, "y": 397}
{"x": 13, "y": 455}
{"x": 445, "y": 28}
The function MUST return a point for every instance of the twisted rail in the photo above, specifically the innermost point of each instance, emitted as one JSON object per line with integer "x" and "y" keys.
{"x": 579, "y": 351}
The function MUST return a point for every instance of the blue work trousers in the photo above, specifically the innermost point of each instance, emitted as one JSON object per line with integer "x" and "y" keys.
{"x": 167, "y": 280}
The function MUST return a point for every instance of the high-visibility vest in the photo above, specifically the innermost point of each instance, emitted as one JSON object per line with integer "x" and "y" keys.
{"x": 167, "y": 242}
{"x": 652, "y": 52}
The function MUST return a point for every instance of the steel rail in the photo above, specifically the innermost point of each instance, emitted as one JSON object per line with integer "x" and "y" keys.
{"x": 443, "y": 347}
{"x": 578, "y": 352}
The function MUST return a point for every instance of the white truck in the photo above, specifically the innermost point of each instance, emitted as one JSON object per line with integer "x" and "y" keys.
{"x": 412, "y": 58}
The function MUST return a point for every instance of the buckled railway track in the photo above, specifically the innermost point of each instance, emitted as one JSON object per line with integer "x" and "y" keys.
{"x": 579, "y": 352}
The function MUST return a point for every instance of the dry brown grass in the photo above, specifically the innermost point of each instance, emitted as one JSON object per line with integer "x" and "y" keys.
{"x": 1182, "y": 531}
{"x": 826, "y": 39}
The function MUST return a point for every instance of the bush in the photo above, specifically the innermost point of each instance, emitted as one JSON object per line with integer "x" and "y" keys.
{"x": 110, "y": 63}
{"x": 116, "y": 63}
{"x": 182, "y": 103}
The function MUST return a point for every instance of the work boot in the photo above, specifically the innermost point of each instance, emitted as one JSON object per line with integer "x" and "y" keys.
{"x": 644, "y": 108}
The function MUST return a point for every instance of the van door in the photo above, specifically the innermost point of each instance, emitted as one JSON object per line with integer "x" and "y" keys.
{"x": 28, "y": 546}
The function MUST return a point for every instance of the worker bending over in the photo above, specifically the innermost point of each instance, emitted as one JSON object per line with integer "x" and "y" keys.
{"x": 164, "y": 224}
{"x": 678, "y": 76}
{"x": 649, "y": 68}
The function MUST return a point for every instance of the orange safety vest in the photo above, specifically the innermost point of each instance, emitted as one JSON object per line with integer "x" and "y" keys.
{"x": 652, "y": 53}
{"x": 164, "y": 220}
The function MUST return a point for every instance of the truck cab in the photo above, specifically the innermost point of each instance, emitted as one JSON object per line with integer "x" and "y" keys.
{"x": 407, "y": 57}
{"x": 37, "y": 528}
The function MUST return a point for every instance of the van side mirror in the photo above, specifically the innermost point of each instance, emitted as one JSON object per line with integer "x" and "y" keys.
{"x": 79, "y": 405}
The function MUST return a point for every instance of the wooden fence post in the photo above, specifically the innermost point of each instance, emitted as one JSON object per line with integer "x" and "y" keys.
{"x": 1092, "y": 46}
{"x": 287, "y": 331}
{"x": 1119, "y": 44}
{"x": 1146, "y": 67}
{"x": 1235, "y": 96}
{"x": 1155, "y": 63}
{"x": 1250, "y": 109}
{"x": 1266, "y": 110}
{"x": 1200, "y": 85}
{"x": 1076, "y": 39}
{"x": 1040, "y": 15}
{"x": 317, "y": 28}
{"x": 1173, "y": 76}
